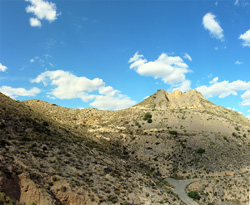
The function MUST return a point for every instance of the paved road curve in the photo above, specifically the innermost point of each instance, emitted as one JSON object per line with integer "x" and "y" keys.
{"x": 179, "y": 188}
{"x": 180, "y": 185}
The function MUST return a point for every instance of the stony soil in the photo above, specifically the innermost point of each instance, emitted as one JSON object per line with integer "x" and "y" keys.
{"x": 88, "y": 156}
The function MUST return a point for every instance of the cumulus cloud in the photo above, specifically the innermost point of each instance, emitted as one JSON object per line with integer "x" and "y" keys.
{"x": 212, "y": 25}
{"x": 246, "y": 98}
{"x": 183, "y": 86}
{"x": 238, "y": 62}
{"x": 15, "y": 92}
{"x": 171, "y": 69}
{"x": 42, "y": 10}
{"x": 234, "y": 109}
{"x": 3, "y": 68}
{"x": 214, "y": 80}
{"x": 118, "y": 102}
{"x": 224, "y": 88}
{"x": 246, "y": 38}
{"x": 187, "y": 57}
{"x": 69, "y": 86}
{"x": 34, "y": 22}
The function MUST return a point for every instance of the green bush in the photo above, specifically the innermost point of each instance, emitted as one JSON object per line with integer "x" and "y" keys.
{"x": 172, "y": 132}
{"x": 200, "y": 150}
{"x": 148, "y": 117}
{"x": 237, "y": 128}
{"x": 194, "y": 195}
{"x": 149, "y": 120}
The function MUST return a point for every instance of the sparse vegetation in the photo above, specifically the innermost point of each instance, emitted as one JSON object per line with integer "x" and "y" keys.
{"x": 194, "y": 195}
{"x": 148, "y": 117}
{"x": 106, "y": 156}
{"x": 173, "y": 132}
{"x": 237, "y": 128}
{"x": 200, "y": 151}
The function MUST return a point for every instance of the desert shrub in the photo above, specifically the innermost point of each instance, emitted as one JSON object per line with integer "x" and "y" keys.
{"x": 63, "y": 188}
{"x": 137, "y": 124}
{"x": 55, "y": 178}
{"x": 237, "y": 128}
{"x": 2, "y": 196}
{"x": 172, "y": 132}
{"x": 148, "y": 117}
{"x": 149, "y": 120}
{"x": 200, "y": 150}
{"x": 194, "y": 195}
{"x": 225, "y": 138}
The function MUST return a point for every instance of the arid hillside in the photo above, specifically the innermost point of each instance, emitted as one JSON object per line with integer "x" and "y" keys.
{"x": 90, "y": 156}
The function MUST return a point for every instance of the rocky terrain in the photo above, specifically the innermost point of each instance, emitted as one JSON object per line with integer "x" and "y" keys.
{"x": 55, "y": 155}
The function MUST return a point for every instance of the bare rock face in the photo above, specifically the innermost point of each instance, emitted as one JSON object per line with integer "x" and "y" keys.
{"x": 10, "y": 185}
{"x": 175, "y": 100}
{"x": 21, "y": 188}
{"x": 30, "y": 192}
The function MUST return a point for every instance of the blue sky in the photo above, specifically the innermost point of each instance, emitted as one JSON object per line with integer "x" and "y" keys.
{"x": 113, "y": 54}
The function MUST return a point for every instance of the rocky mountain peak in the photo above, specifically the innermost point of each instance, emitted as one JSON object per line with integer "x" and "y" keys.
{"x": 175, "y": 100}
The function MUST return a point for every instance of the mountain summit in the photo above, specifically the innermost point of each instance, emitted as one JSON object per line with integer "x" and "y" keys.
{"x": 55, "y": 155}
{"x": 175, "y": 100}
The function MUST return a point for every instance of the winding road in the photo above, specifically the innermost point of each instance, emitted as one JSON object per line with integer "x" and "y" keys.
{"x": 179, "y": 188}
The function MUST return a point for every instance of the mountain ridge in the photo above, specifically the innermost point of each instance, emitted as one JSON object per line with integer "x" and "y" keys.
{"x": 91, "y": 156}
{"x": 174, "y": 100}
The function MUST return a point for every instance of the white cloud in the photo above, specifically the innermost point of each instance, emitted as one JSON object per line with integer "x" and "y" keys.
{"x": 234, "y": 109}
{"x": 14, "y": 92}
{"x": 69, "y": 86}
{"x": 34, "y": 22}
{"x": 3, "y": 68}
{"x": 171, "y": 69}
{"x": 184, "y": 86}
{"x": 212, "y": 25}
{"x": 187, "y": 57}
{"x": 246, "y": 98}
{"x": 32, "y": 60}
{"x": 248, "y": 116}
{"x": 238, "y": 62}
{"x": 112, "y": 102}
{"x": 246, "y": 38}
{"x": 214, "y": 80}
{"x": 42, "y": 10}
{"x": 224, "y": 88}
{"x": 236, "y": 3}
{"x": 210, "y": 75}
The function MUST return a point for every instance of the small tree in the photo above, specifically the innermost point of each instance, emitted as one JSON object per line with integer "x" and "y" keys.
{"x": 194, "y": 195}
{"x": 148, "y": 117}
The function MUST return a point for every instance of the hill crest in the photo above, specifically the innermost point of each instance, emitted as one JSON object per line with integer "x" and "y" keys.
{"x": 175, "y": 100}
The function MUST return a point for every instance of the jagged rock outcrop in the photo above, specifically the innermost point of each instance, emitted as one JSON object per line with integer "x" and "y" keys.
{"x": 175, "y": 100}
